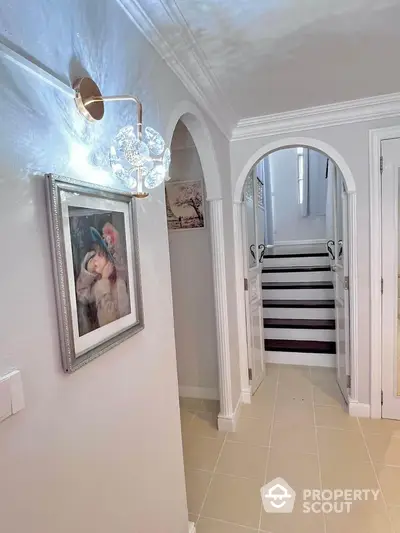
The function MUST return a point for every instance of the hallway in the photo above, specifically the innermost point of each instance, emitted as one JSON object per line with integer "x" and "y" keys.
{"x": 295, "y": 429}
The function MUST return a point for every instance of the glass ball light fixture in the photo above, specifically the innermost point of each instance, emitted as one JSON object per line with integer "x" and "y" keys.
{"x": 140, "y": 160}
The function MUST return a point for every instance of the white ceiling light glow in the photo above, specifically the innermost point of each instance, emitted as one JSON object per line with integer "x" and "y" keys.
{"x": 139, "y": 160}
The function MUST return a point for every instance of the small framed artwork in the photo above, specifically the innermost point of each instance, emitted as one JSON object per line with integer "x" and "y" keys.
{"x": 185, "y": 205}
{"x": 96, "y": 268}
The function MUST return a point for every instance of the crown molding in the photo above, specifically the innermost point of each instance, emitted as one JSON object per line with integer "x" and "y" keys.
{"x": 364, "y": 109}
{"x": 188, "y": 64}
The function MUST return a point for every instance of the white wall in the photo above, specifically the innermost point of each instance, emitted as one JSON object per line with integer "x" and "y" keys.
{"x": 351, "y": 142}
{"x": 99, "y": 450}
{"x": 289, "y": 224}
{"x": 192, "y": 285}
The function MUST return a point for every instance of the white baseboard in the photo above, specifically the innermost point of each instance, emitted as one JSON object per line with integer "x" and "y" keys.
{"x": 297, "y": 358}
{"x": 246, "y": 395}
{"x": 192, "y": 527}
{"x": 202, "y": 393}
{"x": 362, "y": 410}
{"x": 300, "y": 243}
{"x": 228, "y": 423}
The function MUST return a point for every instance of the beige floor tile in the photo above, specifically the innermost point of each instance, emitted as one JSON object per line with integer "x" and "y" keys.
{"x": 294, "y": 438}
{"x": 252, "y": 431}
{"x": 294, "y": 372}
{"x": 359, "y": 476}
{"x": 191, "y": 404}
{"x": 328, "y": 394}
{"x": 394, "y": 514}
{"x": 243, "y": 460}
{"x": 266, "y": 392}
{"x": 296, "y": 522}
{"x": 208, "y": 525}
{"x": 197, "y": 483}
{"x": 319, "y": 374}
{"x": 201, "y": 453}
{"x": 186, "y": 419}
{"x": 389, "y": 479}
{"x": 295, "y": 376}
{"x": 301, "y": 392}
{"x": 334, "y": 417}
{"x": 210, "y": 406}
{"x": 300, "y": 470}
{"x": 233, "y": 499}
{"x": 258, "y": 408}
{"x": 205, "y": 425}
{"x": 341, "y": 446}
{"x": 272, "y": 371}
{"x": 384, "y": 449}
{"x": 292, "y": 412}
{"x": 380, "y": 426}
{"x": 368, "y": 520}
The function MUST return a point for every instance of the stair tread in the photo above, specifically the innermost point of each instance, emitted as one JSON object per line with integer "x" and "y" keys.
{"x": 322, "y": 304}
{"x": 298, "y": 285}
{"x": 290, "y": 345}
{"x": 299, "y": 323}
{"x": 316, "y": 268}
{"x": 271, "y": 254}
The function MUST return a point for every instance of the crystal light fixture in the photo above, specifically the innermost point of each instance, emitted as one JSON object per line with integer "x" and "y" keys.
{"x": 139, "y": 160}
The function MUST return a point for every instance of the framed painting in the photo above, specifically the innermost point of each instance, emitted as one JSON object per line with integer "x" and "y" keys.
{"x": 96, "y": 268}
{"x": 185, "y": 205}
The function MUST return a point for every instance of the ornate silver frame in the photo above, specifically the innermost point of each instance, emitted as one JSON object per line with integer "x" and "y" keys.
{"x": 55, "y": 186}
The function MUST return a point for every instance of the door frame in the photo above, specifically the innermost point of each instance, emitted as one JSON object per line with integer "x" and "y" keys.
{"x": 376, "y": 136}
{"x": 289, "y": 142}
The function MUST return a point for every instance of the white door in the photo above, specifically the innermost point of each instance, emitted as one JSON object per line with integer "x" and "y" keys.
{"x": 253, "y": 239}
{"x": 341, "y": 283}
{"x": 390, "y": 151}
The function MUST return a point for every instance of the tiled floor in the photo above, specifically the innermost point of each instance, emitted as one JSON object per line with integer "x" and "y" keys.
{"x": 296, "y": 428}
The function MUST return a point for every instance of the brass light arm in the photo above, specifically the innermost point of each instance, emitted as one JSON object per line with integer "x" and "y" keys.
{"x": 122, "y": 98}
{"x": 90, "y": 101}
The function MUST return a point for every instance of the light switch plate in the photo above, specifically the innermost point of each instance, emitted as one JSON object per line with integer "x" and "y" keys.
{"x": 11, "y": 394}
{"x": 5, "y": 399}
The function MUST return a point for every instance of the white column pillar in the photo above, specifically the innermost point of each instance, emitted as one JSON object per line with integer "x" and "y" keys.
{"x": 241, "y": 312}
{"x": 225, "y": 417}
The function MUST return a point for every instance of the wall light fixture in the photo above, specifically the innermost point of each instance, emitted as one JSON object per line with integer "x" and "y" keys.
{"x": 140, "y": 160}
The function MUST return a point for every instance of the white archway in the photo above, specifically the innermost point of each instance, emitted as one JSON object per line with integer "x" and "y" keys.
{"x": 194, "y": 120}
{"x": 288, "y": 142}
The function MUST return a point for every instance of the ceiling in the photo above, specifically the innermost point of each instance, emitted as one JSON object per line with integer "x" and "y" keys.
{"x": 247, "y": 58}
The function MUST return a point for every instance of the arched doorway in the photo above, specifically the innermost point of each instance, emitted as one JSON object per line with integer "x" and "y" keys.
{"x": 239, "y": 250}
{"x": 193, "y": 120}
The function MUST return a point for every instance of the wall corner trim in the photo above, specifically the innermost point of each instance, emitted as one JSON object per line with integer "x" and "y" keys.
{"x": 229, "y": 423}
{"x": 348, "y": 112}
{"x": 221, "y": 307}
{"x": 360, "y": 410}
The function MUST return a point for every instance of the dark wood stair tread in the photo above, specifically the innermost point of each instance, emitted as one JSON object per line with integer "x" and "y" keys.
{"x": 298, "y": 285}
{"x": 271, "y": 254}
{"x": 289, "y": 345}
{"x": 299, "y": 304}
{"x": 299, "y": 323}
{"x": 316, "y": 268}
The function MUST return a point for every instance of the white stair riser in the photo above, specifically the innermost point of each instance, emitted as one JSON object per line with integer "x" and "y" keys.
{"x": 298, "y": 294}
{"x": 300, "y": 334}
{"x": 298, "y": 358}
{"x": 295, "y": 261}
{"x": 294, "y": 312}
{"x": 296, "y": 276}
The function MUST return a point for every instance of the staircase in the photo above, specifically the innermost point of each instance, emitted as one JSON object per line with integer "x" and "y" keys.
{"x": 299, "y": 307}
